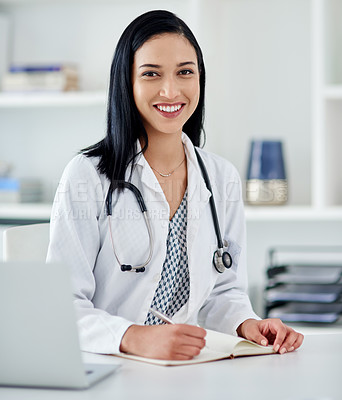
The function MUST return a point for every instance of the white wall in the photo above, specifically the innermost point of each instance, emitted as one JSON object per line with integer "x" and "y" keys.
{"x": 259, "y": 71}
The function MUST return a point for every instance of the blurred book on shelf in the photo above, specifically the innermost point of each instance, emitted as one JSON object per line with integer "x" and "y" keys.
{"x": 41, "y": 78}
{"x": 26, "y": 190}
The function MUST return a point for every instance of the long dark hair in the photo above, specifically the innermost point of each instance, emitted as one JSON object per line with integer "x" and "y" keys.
{"x": 124, "y": 124}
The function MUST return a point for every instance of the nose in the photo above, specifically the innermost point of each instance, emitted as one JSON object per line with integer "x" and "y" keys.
{"x": 170, "y": 88}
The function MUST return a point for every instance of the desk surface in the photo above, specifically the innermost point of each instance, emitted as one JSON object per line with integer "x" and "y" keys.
{"x": 313, "y": 372}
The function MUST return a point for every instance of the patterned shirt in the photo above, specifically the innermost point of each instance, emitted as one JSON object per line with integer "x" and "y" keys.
{"x": 173, "y": 289}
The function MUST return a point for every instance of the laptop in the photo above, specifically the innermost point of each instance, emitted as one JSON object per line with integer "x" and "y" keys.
{"x": 39, "y": 343}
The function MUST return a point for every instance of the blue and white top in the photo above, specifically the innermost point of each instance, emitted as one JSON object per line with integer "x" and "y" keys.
{"x": 174, "y": 286}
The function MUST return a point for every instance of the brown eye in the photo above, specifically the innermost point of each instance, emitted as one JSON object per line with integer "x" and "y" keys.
{"x": 186, "y": 72}
{"x": 151, "y": 74}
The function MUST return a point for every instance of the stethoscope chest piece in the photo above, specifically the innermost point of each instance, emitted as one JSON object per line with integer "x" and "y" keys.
{"x": 222, "y": 260}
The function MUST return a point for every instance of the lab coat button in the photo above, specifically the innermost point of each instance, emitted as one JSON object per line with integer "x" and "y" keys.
{"x": 156, "y": 278}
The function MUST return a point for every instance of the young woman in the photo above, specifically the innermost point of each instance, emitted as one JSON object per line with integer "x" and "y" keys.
{"x": 123, "y": 265}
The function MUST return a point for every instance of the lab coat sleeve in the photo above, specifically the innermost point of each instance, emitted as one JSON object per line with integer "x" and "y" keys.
{"x": 75, "y": 241}
{"x": 228, "y": 304}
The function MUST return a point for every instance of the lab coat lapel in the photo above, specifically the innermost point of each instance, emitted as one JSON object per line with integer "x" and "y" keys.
{"x": 198, "y": 198}
{"x": 198, "y": 194}
{"x": 144, "y": 177}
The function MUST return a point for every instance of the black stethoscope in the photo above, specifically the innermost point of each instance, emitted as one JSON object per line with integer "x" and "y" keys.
{"x": 222, "y": 260}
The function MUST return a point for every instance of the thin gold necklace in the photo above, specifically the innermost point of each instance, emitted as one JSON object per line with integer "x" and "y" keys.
{"x": 170, "y": 173}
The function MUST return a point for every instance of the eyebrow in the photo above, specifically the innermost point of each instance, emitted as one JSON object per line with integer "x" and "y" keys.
{"x": 159, "y": 66}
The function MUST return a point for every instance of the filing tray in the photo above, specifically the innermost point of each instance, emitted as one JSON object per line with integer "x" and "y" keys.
{"x": 308, "y": 290}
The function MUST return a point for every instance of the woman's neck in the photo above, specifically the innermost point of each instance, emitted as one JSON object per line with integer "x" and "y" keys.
{"x": 166, "y": 156}
{"x": 164, "y": 152}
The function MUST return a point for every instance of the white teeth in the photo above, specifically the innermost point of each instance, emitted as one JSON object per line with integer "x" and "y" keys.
{"x": 169, "y": 109}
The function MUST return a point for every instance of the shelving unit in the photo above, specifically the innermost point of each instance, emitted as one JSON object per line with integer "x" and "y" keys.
{"x": 293, "y": 214}
{"x": 42, "y": 212}
{"x": 13, "y": 214}
{"x": 327, "y": 102}
{"x": 64, "y": 99}
{"x": 283, "y": 81}
{"x": 333, "y": 92}
{"x": 309, "y": 148}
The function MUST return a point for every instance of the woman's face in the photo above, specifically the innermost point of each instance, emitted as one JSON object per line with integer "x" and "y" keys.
{"x": 165, "y": 79}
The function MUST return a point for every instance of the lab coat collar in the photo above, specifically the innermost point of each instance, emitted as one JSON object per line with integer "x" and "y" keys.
{"x": 197, "y": 190}
{"x": 147, "y": 175}
{"x": 144, "y": 173}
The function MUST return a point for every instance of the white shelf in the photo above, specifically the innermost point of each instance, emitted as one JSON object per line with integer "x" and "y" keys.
{"x": 333, "y": 92}
{"x": 29, "y": 2}
{"x": 12, "y": 100}
{"x": 30, "y": 211}
{"x": 25, "y": 211}
{"x": 292, "y": 213}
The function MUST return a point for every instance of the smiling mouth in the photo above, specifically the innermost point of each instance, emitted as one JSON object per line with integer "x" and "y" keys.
{"x": 169, "y": 109}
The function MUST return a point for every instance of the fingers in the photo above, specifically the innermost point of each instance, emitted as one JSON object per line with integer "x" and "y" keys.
{"x": 168, "y": 342}
{"x": 252, "y": 330}
{"x": 257, "y": 336}
{"x": 272, "y": 331}
{"x": 298, "y": 342}
{"x": 281, "y": 332}
{"x": 292, "y": 341}
{"x": 286, "y": 339}
{"x": 188, "y": 341}
{"x": 191, "y": 330}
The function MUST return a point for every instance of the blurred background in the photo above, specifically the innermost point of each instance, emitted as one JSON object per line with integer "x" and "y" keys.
{"x": 274, "y": 72}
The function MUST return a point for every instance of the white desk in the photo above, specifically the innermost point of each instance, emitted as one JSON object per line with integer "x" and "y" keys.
{"x": 311, "y": 373}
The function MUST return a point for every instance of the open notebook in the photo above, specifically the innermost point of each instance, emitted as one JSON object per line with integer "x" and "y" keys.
{"x": 218, "y": 346}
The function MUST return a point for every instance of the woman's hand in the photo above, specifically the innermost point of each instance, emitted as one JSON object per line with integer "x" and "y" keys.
{"x": 271, "y": 331}
{"x": 167, "y": 342}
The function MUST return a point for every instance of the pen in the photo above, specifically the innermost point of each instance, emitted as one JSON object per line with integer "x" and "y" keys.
{"x": 161, "y": 316}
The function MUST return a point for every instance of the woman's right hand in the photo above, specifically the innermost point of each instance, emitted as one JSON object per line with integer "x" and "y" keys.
{"x": 166, "y": 342}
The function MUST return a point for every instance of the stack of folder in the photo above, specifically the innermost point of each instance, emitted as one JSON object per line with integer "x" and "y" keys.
{"x": 14, "y": 190}
{"x": 304, "y": 291}
{"x": 41, "y": 78}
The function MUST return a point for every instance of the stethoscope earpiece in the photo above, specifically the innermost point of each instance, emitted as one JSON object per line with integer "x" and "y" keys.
{"x": 125, "y": 267}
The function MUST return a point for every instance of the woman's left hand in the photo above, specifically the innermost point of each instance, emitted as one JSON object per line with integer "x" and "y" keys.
{"x": 271, "y": 331}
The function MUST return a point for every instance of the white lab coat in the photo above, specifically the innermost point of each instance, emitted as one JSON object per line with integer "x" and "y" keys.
{"x": 108, "y": 300}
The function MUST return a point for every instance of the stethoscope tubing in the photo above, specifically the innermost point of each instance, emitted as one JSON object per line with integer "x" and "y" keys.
{"x": 221, "y": 259}
{"x": 212, "y": 201}
{"x": 125, "y": 185}
{"x": 138, "y": 268}
{"x": 143, "y": 208}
